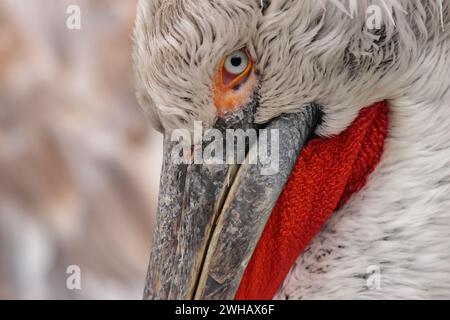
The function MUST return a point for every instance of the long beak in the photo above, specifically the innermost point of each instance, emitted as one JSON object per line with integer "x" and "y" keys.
{"x": 210, "y": 217}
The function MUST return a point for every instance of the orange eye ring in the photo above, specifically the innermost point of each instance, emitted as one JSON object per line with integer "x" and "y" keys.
{"x": 228, "y": 91}
{"x": 229, "y": 80}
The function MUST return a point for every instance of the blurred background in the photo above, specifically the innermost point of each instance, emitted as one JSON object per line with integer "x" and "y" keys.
{"x": 79, "y": 165}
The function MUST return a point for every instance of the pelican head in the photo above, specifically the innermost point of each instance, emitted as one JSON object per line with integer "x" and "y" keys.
{"x": 289, "y": 70}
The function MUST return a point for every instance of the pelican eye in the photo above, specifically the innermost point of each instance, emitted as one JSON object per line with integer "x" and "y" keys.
{"x": 235, "y": 81}
{"x": 237, "y": 62}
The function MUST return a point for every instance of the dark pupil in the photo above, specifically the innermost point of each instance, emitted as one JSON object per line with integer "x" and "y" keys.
{"x": 236, "y": 61}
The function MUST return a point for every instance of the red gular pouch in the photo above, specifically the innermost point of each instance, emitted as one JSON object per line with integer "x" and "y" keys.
{"x": 328, "y": 171}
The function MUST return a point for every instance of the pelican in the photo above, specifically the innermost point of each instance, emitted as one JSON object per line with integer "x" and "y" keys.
{"x": 356, "y": 95}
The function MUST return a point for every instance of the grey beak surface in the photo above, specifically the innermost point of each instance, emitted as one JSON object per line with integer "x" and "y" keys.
{"x": 210, "y": 217}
